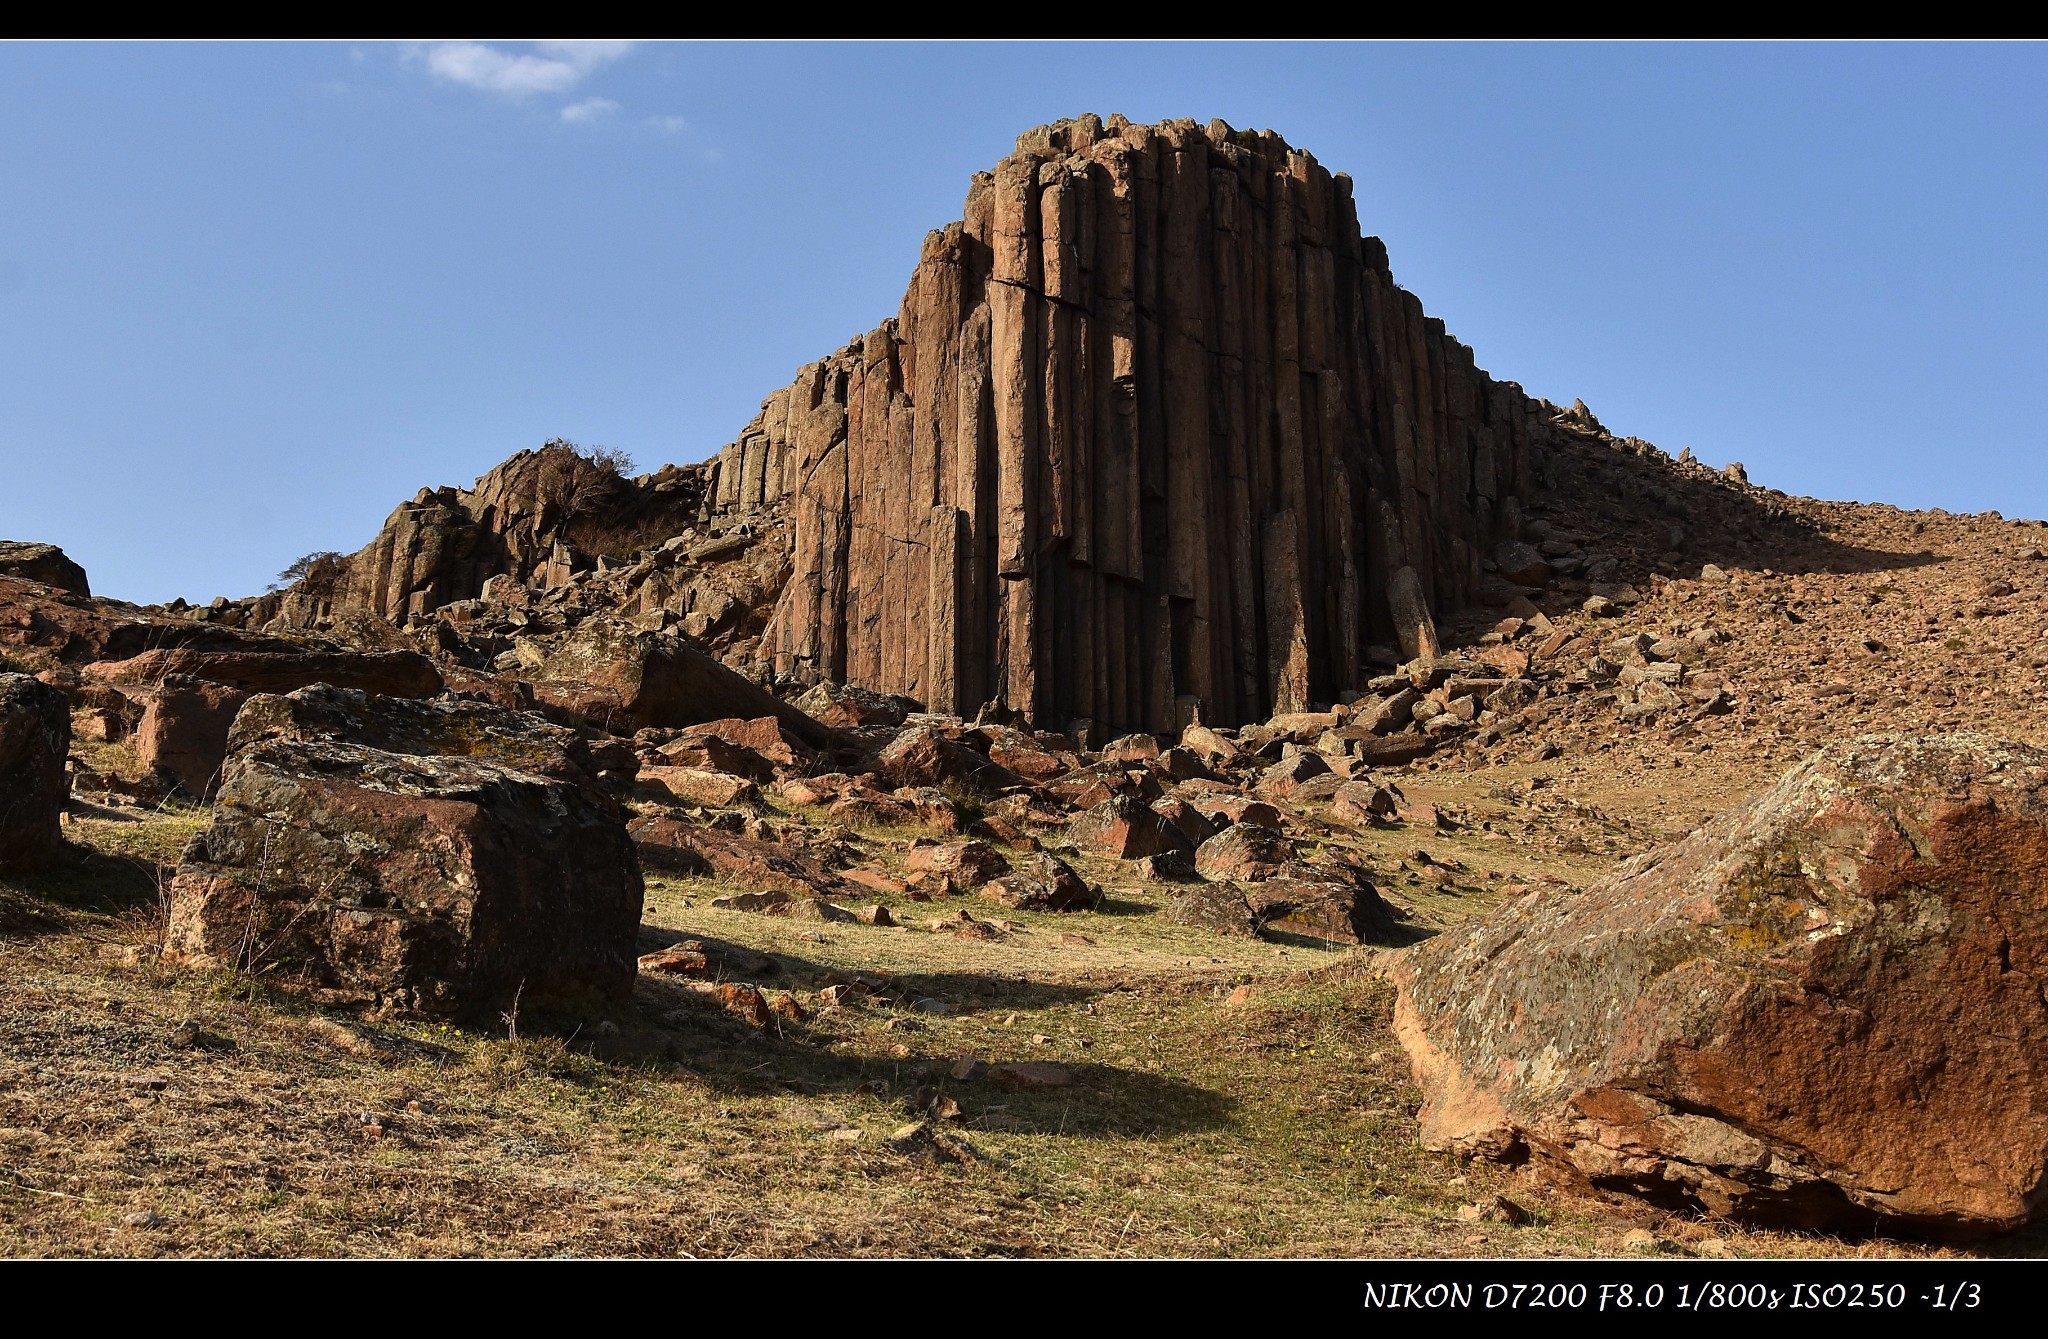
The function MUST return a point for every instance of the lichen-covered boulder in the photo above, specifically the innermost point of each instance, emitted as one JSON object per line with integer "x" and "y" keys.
{"x": 1824, "y": 1009}
{"x": 443, "y": 857}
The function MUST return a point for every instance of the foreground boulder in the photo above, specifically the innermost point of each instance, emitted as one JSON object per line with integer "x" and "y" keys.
{"x": 43, "y": 563}
{"x": 35, "y": 736}
{"x": 1822, "y": 1010}
{"x": 443, "y": 857}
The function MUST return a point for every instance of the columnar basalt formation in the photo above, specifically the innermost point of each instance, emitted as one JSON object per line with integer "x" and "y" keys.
{"x": 1153, "y": 431}
{"x": 1154, "y": 436}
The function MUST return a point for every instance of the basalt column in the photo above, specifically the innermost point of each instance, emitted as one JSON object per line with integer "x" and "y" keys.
{"x": 1150, "y": 434}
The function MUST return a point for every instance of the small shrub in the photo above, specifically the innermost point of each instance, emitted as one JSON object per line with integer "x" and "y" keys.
{"x": 607, "y": 458}
{"x": 317, "y": 575}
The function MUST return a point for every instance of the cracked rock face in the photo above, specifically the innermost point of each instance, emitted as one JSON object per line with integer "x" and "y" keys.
{"x": 446, "y": 858}
{"x": 1824, "y": 1009}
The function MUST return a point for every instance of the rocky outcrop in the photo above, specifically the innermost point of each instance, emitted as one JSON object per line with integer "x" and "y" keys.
{"x": 1152, "y": 431}
{"x": 35, "y": 737}
{"x": 1824, "y": 1009}
{"x": 76, "y": 630}
{"x": 45, "y": 564}
{"x": 1154, "y": 436}
{"x": 442, "y": 857}
{"x": 539, "y": 517}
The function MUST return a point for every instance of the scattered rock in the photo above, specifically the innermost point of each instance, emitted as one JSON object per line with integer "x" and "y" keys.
{"x": 1243, "y": 852}
{"x": 1217, "y": 907}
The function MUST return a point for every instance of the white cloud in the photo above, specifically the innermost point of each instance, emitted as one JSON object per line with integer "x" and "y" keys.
{"x": 668, "y": 125}
{"x": 589, "y": 110}
{"x": 551, "y": 67}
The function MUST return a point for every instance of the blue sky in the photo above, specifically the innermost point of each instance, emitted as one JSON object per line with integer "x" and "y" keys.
{"x": 252, "y": 295}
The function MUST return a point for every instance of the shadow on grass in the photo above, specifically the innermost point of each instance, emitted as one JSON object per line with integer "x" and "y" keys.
{"x": 78, "y": 881}
{"x": 675, "y": 1025}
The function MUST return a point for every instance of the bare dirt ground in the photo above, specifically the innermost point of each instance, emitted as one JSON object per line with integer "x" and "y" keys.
{"x": 148, "y": 1112}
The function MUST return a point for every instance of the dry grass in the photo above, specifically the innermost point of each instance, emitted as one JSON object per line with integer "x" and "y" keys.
{"x": 1280, "y": 1126}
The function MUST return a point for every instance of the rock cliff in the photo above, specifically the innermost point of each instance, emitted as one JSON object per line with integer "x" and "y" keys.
{"x": 1154, "y": 435}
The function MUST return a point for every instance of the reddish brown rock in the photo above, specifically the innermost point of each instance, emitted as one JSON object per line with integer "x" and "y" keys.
{"x": 1823, "y": 1009}
{"x": 1219, "y": 908}
{"x": 1284, "y": 779}
{"x": 686, "y": 958}
{"x": 667, "y": 842}
{"x": 1126, "y": 829}
{"x": 620, "y": 678}
{"x": 1041, "y": 882}
{"x": 1131, "y": 748}
{"x": 1223, "y": 810}
{"x": 968, "y": 864}
{"x": 1364, "y": 801}
{"x": 846, "y": 707}
{"x": 537, "y": 519}
{"x": 1191, "y": 822}
{"x": 35, "y": 738}
{"x": 710, "y": 753}
{"x": 386, "y": 673}
{"x": 442, "y": 884}
{"x": 44, "y": 564}
{"x": 1018, "y": 752}
{"x": 764, "y": 737}
{"x": 921, "y": 756}
{"x": 694, "y": 786}
{"x": 1349, "y": 912}
{"x": 184, "y": 732}
{"x": 1243, "y": 852}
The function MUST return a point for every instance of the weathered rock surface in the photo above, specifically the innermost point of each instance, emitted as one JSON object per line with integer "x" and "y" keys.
{"x": 43, "y": 563}
{"x": 443, "y": 857}
{"x": 1823, "y": 1009}
{"x": 1125, "y": 828}
{"x": 1243, "y": 851}
{"x": 35, "y": 737}
{"x": 1041, "y": 882}
{"x": 282, "y": 670}
{"x": 1220, "y": 908}
{"x": 921, "y": 756}
{"x": 539, "y": 517}
{"x": 1350, "y": 912}
{"x": 622, "y": 678}
{"x": 184, "y": 731}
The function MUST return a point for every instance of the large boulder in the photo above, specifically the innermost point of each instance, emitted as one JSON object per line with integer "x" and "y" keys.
{"x": 42, "y": 563}
{"x": 1825, "y": 1009}
{"x": 622, "y": 679}
{"x": 444, "y": 857}
{"x": 35, "y": 737}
